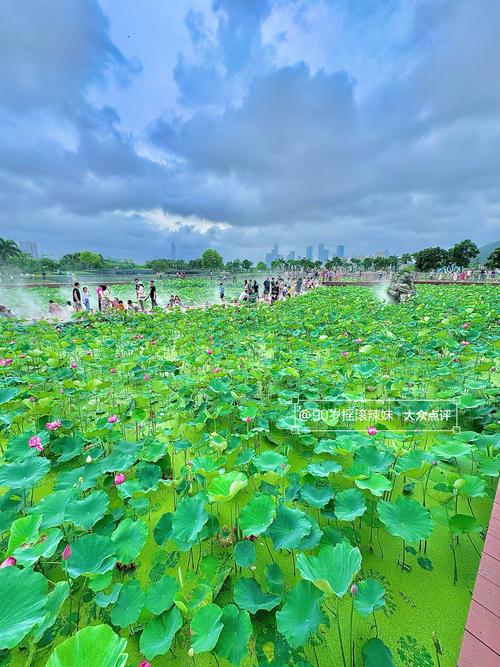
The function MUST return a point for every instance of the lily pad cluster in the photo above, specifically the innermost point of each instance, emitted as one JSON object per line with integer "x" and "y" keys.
{"x": 161, "y": 500}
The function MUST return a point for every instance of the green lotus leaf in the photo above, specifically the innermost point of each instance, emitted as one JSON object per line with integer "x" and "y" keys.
{"x": 316, "y": 496}
{"x": 163, "y": 529}
{"x": 376, "y": 460}
{"x": 376, "y": 654}
{"x": 275, "y": 578}
{"x": 44, "y": 547}
{"x": 21, "y": 475}
{"x": 95, "y": 646}
{"x": 68, "y": 447}
{"x": 349, "y": 505}
{"x": 86, "y": 512}
{"x": 158, "y": 634}
{"x": 249, "y": 595}
{"x": 23, "y": 531}
{"x": 313, "y": 538}
{"x": 129, "y": 604}
{"x": 160, "y": 596}
{"x": 235, "y": 634}
{"x": 301, "y": 614}
{"x": 223, "y": 488}
{"x": 90, "y": 555}
{"x": 189, "y": 518}
{"x": 405, "y": 518}
{"x": 8, "y": 394}
{"x": 375, "y": 483}
{"x": 129, "y": 538}
{"x": 104, "y": 600}
{"x": 148, "y": 475}
{"x": 472, "y": 486}
{"x": 52, "y": 508}
{"x": 288, "y": 528}
{"x": 123, "y": 457}
{"x": 55, "y": 600}
{"x": 270, "y": 461}
{"x": 326, "y": 446}
{"x": 412, "y": 462}
{"x": 453, "y": 449}
{"x": 369, "y": 596}
{"x": 26, "y": 592}
{"x": 257, "y": 515}
{"x": 244, "y": 553}
{"x": 463, "y": 523}
{"x": 333, "y": 570}
{"x": 206, "y": 628}
{"x": 323, "y": 468}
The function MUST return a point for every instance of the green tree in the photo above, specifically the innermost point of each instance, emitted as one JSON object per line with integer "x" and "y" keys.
{"x": 211, "y": 260}
{"x": 8, "y": 250}
{"x": 246, "y": 264}
{"x": 406, "y": 258}
{"x": 462, "y": 253}
{"x": 493, "y": 261}
{"x": 233, "y": 266}
{"x": 430, "y": 259}
{"x": 261, "y": 266}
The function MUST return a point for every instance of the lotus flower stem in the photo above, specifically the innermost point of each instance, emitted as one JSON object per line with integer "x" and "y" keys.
{"x": 351, "y": 642}
{"x": 84, "y": 586}
{"x": 315, "y": 655}
{"x": 375, "y": 623}
{"x": 340, "y": 634}
{"x": 270, "y": 553}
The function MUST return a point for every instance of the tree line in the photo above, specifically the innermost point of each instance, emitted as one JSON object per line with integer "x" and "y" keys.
{"x": 459, "y": 256}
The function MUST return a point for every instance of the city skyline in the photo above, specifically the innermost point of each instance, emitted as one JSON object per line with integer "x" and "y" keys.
{"x": 237, "y": 125}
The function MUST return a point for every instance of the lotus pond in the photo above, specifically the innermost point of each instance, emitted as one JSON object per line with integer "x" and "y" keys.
{"x": 303, "y": 484}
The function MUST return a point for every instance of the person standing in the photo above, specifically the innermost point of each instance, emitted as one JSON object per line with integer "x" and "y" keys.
{"x": 267, "y": 287}
{"x": 86, "y": 299}
{"x": 77, "y": 297}
{"x": 99, "y": 297}
{"x": 141, "y": 296}
{"x": 152, "y": 294}
{"x": 221, "y": 291}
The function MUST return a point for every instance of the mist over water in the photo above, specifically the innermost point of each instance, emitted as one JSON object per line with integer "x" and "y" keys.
{"x": 26, "y": 304}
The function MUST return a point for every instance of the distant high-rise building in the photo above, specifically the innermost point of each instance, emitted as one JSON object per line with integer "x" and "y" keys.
{"x": 173, "y": 251}
{"x": 309, "y": 252}
{"x": 274, "y": 254}
{"x": 30, "y": 248}
{"x": 291, "y": 254}
{"x": 322, "y": 253}
{"x": 340, "y": 251}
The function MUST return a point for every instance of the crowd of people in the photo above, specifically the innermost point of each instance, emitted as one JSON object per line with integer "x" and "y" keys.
{"x": 146, "y": 299}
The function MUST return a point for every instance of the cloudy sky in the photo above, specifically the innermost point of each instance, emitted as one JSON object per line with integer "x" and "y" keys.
{"x": 237, "y": 124}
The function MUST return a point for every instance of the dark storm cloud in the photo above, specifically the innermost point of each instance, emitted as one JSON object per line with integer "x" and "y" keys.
{"x": 289, "y": 153}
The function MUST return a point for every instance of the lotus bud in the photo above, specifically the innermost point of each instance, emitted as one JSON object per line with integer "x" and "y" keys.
{"x": 80, "y": 480}
{"x": 74, "y": 365}
{"x": 191, "y": 652}
{"x": 209, "y": 351}
{"x": 354, "y": 589}
{"x": 144, "y": 663}
{"x": 88, "y": 459}
{"x": 112, "y": 370}
{"x": 66, "y": 552}
{"x": 119, "y": 478}
{"x": 8, "y": 562}
{"x": 372, "y": 430}
{"x": 112, "y": 419}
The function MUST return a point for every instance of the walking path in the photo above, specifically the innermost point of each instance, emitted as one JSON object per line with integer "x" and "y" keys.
{"x": 481, "y": 642}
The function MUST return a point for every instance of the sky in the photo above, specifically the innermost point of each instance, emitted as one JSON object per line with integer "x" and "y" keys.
{"x": 238, "y": 124}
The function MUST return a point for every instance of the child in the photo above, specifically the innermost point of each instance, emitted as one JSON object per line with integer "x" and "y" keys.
{"x": 86, "y": 299}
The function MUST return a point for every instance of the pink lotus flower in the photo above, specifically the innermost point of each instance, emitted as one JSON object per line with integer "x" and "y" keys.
{"x": 32, "y": 399}
{"x": 53, "y": 426}
{"x": 35, "y": 442}
{"x": 147, "y": 377}
{"x": 217, "y": 370}
{"x": 8, "y": 562}
{"x": 89, "y": 353}
{"x": 210, "y": 351}
{"x": 248, "y": 419}
{"x": 5, "y": 362}
{"x": 358, "y": 340}
{"x": 354, "y": 589}
{"x": 112, "y": 419}
{"x": 74, "y": 365}
{"x": 112, "y": 370}
{"x": 345, "y": 354}
{"x": 144, "y": 663}
{"x": 372, "y": 430}
{"x": 466, "y": 325}
{"x": 153, "y": 342}
{"x": 119, "y": 478}
{"x": 465, "y": 342}
{"x": 66, "y": 552}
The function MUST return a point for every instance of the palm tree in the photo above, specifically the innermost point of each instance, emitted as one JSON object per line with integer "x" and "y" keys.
{"x": 8, "y": 250}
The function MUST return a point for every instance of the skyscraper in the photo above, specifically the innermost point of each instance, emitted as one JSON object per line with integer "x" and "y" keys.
{"x": 322, "y": 253}
{"x": 309, "y": 252}
{"x": 30, "y": 248}
{"x": 340, "y": 251}
{"x": 291, "y": 254}
{"x": 271, "y": 256}
{"x": 173, "y": 251}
